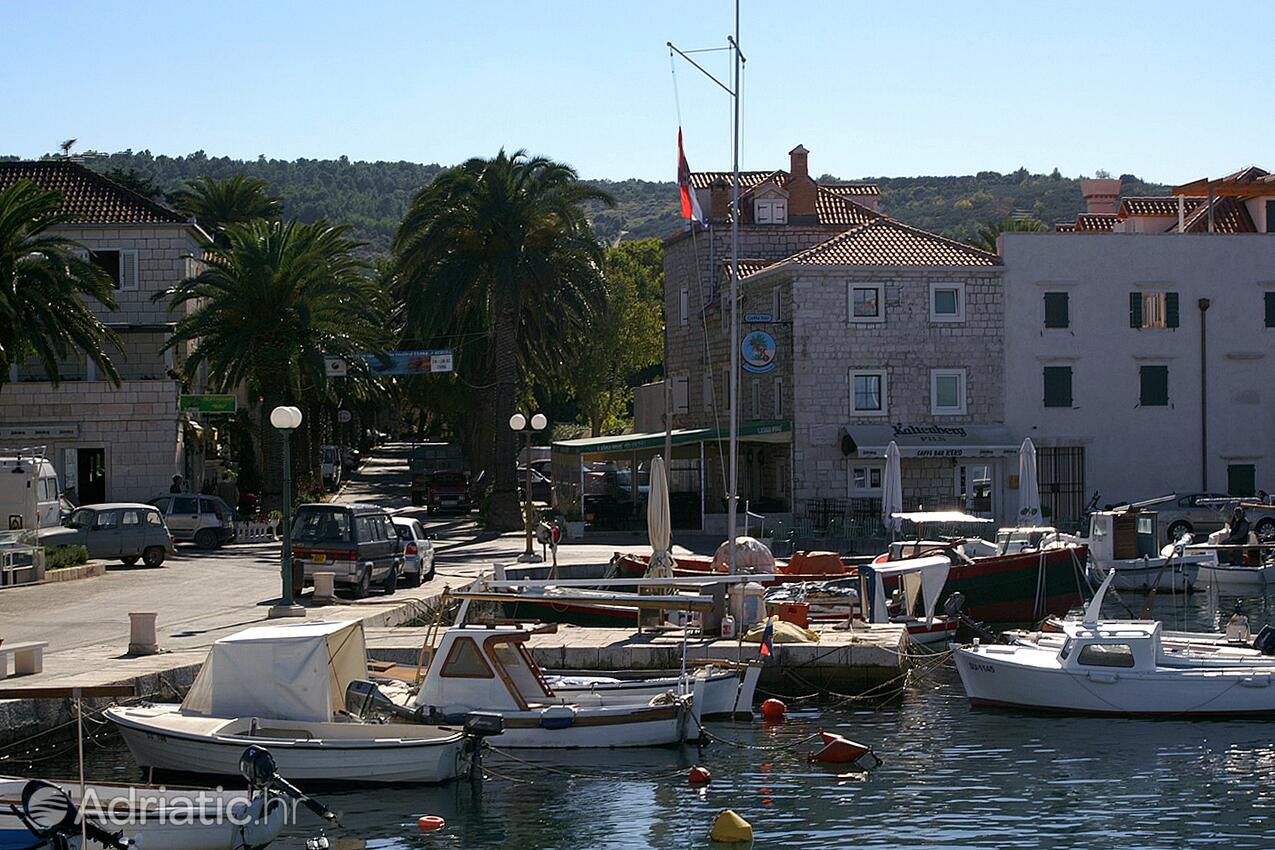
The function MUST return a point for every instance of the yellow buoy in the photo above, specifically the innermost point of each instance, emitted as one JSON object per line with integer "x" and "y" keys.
{"x": 730, "y": 827}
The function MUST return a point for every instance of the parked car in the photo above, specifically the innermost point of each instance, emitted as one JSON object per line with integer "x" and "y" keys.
{"x": 428, "y": 458}
{"x": 330, "y": 465}
{"x": 1197, "y": 514}
{"x": 28, "y": 491}
{"x": 206, "y": 521}
{"x": 541, "y": 487}
{"x": 449, "y": 491}
{"x": 356, "y": 542}
{"x": 418, "y": 551}
{"x": 123, "y": 531}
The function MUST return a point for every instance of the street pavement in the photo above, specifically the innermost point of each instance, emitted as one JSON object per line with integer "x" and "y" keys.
{"x": 202, "y": 596}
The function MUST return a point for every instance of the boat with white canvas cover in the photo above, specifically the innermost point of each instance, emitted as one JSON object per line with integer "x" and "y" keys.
{"x": 1116, "y": 667}
{"x": 921, "y": 581}
{"x": 488, "y": 669}
{"x": 284, "y": 687}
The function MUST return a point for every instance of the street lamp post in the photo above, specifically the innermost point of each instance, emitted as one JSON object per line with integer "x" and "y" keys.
{"x": 538, "y": 422}
{"x": 286, "y": 420}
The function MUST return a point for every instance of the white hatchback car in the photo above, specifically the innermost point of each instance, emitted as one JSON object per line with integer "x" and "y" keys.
{"x": 418, "y": 551}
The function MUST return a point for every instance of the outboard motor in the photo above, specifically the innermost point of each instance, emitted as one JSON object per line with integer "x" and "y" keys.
{"x": 1265, "y": 640}
{"x": 953, "y": 604}
{"x": 50, "y": 815}
{"x": 258, "y": 768}
{"x": 480, "y": 725}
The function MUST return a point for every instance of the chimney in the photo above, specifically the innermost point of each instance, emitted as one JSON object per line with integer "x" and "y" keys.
{"x": 1102, "y": 196}
{"x": 719, "y": 200}
{"x": 801, "y": 189}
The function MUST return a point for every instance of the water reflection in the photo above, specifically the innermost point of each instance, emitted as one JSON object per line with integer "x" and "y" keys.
{"x": 953, "y": 777}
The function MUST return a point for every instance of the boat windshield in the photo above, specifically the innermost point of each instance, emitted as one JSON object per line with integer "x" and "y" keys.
{"x": 1106, "y": 655}
{"x": 519, "y": 670}
{"x": 1066, "y": 650}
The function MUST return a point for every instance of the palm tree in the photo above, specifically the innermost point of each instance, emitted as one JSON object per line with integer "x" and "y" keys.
{"x": 43, "y": 286}
{"x": 987, "y": 233}
{"x": 217, "y": 204}
{"x": 270, "y": 303}
{"x": 501, "y": 248}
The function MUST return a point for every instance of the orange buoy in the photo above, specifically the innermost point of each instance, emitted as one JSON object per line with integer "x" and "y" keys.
{"x": 841, "y": 750}
{"x": 773, "y": 709}
{"x": 430, "y": 823}
{"x": 699, "y": 775}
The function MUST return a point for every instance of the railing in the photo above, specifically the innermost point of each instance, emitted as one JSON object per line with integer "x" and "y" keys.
{"x": 256, "y": 531}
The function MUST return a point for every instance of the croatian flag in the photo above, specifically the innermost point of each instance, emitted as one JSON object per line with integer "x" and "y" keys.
{"x": 768, "y": 638}
{"x": 690, "y": 203}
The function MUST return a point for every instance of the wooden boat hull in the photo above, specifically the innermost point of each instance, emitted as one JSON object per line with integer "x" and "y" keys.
{"x": 169, "y": 818}
{"x": 991, "y": 679}
{"x": 1141, "y": 574}
{"x": 157, "y": 742}
{"x": 1021, "y": 587}
{"x": 1237, "y": 576}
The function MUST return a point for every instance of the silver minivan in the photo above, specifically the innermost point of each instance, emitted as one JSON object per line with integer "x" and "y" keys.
{"x": 356, "y": 543}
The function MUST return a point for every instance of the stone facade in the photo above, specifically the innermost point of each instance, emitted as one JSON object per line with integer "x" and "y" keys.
{"x": 136, "y": 427}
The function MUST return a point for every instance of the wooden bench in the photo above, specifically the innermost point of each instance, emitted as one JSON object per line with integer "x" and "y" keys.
{"x": 27, "y": 658}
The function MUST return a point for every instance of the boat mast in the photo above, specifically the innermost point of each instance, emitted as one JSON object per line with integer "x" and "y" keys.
{"x": 732, "y": 496}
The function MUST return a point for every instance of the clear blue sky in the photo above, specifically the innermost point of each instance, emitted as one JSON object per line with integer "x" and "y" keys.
{"x": 1165, "y": 89}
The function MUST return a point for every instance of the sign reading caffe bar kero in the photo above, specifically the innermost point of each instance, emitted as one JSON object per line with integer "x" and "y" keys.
{"x": 924, "y": 440}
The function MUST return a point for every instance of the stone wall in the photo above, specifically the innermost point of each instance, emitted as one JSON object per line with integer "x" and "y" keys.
{"x": 164, "y": 255}
{"x": 137, "y": 425}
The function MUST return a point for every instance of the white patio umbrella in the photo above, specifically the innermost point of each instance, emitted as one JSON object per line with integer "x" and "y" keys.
{"x": 659, "y": 523}
{"x": 891, "y": 488}
{"x": 1028, "y": 491}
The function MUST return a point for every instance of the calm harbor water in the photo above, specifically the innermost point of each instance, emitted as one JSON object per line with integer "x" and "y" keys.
{"x": 953, "y": 777}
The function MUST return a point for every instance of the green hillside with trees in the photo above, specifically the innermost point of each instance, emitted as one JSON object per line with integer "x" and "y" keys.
{"x": 373, "y": 196}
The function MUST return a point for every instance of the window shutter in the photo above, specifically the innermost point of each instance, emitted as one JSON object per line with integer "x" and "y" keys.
{"x": 1170, "y": 309}
{"x": 1270, "y": 309}
{"x": 1135, "y": 309}
{"x": 1154, "y": 381}
{"x": 128, "y": 270}
{"x": 1056, "y": 310}
{"x": 1058, "y": 386}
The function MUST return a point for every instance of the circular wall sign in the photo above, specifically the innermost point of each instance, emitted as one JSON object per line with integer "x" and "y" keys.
{"x": 758, "y": 352}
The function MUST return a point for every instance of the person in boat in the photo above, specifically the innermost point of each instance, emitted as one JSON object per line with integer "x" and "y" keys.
{"x": 1237, "y": 534}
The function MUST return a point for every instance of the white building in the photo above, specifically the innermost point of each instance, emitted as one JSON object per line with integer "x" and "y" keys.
{"x": 107, "y": 442}
{"x": 1136, "y": 344}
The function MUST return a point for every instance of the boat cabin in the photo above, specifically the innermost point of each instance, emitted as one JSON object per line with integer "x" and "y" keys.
{"x": 483, "y": 667}
{"x": 1123, "y": 535}
{"x": 1111, "y": 647}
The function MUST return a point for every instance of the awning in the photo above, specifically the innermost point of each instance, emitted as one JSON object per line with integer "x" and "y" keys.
{"x": 934, "y": 440}
{"x": 625, "y": 445}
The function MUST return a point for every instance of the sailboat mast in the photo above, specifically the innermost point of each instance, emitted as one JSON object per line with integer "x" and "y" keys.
{"x": 732, "y": 497}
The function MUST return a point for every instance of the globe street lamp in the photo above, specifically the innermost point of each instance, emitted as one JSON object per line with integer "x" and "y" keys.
{"x": 538, "y": 422}
{"x": 286, "y": 420}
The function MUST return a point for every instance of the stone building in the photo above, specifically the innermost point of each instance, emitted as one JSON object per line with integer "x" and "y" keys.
{"x": 112, "y": 443}
{"x": 856, "y": 330}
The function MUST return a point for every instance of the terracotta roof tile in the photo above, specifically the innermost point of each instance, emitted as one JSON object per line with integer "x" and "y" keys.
{"x": 1095, "y": 222}
{"x": 88, "y": 197}
{"x": 1230, "y": 215}
{"x": 747, "y": 266}
{"x": 1252, "y": 174}
{"x": 886, "y": 242}
{"x": 1166, "y": 205}
{"x": 1065, "y": 227}
{"x": 747, "y": 179}
{"x": 833, "y": 208}
{"x": 852, "y": 190}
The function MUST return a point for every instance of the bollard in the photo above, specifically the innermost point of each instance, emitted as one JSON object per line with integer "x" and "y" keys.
{"x": 141, "y": 634}
{"x": 324, "y": 588}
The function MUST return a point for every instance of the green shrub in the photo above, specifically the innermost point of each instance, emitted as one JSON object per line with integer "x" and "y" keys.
{"x": 57, "y": 557}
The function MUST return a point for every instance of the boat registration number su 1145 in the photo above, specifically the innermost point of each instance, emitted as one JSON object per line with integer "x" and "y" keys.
{"x": 981, "y": 668}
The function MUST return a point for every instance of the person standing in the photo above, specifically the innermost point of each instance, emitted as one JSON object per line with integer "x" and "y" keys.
{"x": 176, "y": 486}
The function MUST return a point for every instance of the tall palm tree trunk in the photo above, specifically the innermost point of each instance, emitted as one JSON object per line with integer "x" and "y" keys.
{"x": 504, "y": 512}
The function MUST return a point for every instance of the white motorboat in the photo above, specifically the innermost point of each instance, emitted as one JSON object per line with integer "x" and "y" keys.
{"x": 724, "y": 692}
{"x": 488, "y": 669}
{"x": 283, "y": 687}
{"x": 1118, "y": 667}
{"x": 1125, "y": 541}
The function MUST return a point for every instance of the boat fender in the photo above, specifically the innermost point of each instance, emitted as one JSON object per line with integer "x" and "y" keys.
{"x": 558, "y": 717}
{"x": 840, "y": 750}
{"x": 730, "y": 827}
{"x": 699, "y": 776}
{"x": 773, "y": 710}
{"x": 430, "y": 823}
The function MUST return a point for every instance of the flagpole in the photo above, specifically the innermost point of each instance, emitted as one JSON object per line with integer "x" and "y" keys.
{"x": 733, "y": 494}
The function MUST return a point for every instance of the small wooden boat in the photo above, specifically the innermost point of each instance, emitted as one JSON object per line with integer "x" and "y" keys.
{"x": 283, "y": 687}
{"x": 488, "y": 669}
{"x": 724, "y": 691}
{"x": 922, "y": 582}
{"x": 1116, "y": 667}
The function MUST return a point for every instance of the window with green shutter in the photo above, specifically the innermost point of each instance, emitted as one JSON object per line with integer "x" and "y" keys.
{"x": 1154, "y": 384}
{"x": 1135, "y": 309}
{"x": 1057, "y": 310}
{"x": 1270, "y": 309}
{"x": 1241, "y": 479}
{"x": 1057, "y": 386}
{"x": 1153, "y": 309}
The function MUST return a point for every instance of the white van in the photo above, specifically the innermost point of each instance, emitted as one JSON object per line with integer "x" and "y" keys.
{"x": 28, "y": 491}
